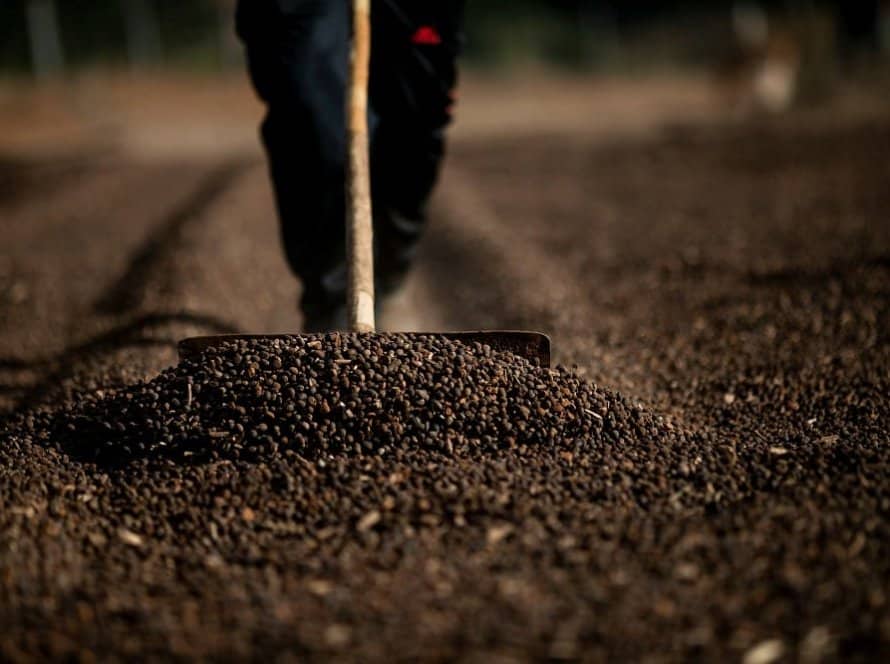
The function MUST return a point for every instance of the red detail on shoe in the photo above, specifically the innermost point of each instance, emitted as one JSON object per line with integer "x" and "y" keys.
{"x": 427, "y": 35}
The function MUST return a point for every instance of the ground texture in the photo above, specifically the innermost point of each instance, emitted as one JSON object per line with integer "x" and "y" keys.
{"x": 708, "y": 478}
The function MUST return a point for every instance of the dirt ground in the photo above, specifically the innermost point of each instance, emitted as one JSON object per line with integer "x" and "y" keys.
{"x": 729, "y": 279}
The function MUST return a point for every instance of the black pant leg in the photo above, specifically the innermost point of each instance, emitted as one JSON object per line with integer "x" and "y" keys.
{"x": 297, "y": 53}
{"x": 413, "y": 75}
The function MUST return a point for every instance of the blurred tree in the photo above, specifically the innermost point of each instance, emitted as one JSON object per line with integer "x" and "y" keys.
{"x": 47, "y": 55}
{"x": 578, "y": 33}
{"x": 884, "y": 27}
{"x": 143, "y": 32}
{"x": 596, "y": 30}
{"x": 229, "y": 48}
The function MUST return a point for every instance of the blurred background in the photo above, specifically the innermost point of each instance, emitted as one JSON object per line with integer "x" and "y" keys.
{"x": 48, "y": 37}
{"x": 42, "y": 39}
{"x": 166, "y": 76}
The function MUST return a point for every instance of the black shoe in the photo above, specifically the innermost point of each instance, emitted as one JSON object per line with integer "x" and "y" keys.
{"x": 317, "y": 321}
{"x": 324, "y": 311}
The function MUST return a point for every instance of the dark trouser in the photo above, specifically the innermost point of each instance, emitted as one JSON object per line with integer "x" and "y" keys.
{"x": 297, "y": 53}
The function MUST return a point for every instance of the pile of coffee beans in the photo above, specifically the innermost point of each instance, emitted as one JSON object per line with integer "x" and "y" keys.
{"x": 323, "y": 396}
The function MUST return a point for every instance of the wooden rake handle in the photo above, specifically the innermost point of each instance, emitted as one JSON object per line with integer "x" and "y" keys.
{"x": 359, "y": 225}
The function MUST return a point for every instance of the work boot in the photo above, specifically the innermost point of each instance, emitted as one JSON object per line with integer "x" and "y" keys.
{"x": 325, "y": 319}
{"x": 395, "y": 246}
{"x": 324, "y": 303}
{"x": 334, "y": 319}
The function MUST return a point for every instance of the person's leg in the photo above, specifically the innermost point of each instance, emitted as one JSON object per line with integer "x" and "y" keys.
{"x": 413, "y": 74}
{"x": 297, "y": 53}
